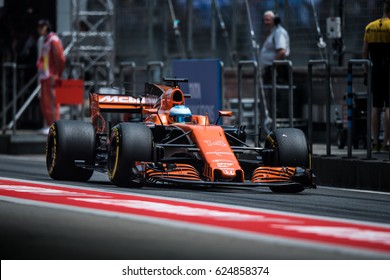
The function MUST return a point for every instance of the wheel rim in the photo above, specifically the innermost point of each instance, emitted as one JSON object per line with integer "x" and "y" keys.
{"x": 112, "y": 160}
{"x": 51, "y": 154}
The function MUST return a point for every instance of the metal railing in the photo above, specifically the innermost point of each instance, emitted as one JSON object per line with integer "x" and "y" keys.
{"x": 104, "y": 68}
{"x": 159, "y": 65}
{"x": 130, "y": 67}
{"x": 17, "y": 113}
{"x": 275, "y": 86}
{"x": 310, "y": 103}
{"x": 77, "y": 70}
{"x": 253, "y": 64}
{"x": 368, "y": 65}
{"x": 13, "y": 67}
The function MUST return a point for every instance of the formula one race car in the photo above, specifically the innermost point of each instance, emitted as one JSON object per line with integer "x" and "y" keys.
{"x": 161, "y": 142}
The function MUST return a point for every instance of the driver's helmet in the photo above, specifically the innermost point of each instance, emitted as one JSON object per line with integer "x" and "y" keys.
{"x": 180, "y": 114}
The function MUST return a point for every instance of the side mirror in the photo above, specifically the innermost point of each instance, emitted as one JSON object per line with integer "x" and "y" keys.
{"x": 223, "y": 114}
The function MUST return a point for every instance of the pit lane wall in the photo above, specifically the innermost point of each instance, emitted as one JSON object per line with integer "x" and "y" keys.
{"x": 356, "y": 173}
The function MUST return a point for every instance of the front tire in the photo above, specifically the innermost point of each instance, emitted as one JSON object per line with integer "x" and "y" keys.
{"x": 67, "y": 141}
{"x": 129, "y": 143}
{"x": 289, "y": 149}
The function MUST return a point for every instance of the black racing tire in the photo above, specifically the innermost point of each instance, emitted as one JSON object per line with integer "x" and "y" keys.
{"x": 289, "y": 149}
{"x": 129, "y": 143}
{"x": 67, "y": 141}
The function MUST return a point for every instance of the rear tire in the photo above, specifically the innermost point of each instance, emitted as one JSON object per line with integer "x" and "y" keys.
{"x": 67, "y": 141}
{"x": 289, "y": 149}
{"x": 129, "y": 143}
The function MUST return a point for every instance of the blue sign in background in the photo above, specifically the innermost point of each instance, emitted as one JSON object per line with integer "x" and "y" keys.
{"x": 204, "y": 85}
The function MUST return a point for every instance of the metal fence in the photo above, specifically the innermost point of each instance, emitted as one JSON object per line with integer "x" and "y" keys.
{"x": 156, "y": 30}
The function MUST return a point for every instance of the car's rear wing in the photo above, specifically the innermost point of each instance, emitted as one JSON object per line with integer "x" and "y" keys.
{"x": 121, "y": 103}
{"x": 112, "y": 103}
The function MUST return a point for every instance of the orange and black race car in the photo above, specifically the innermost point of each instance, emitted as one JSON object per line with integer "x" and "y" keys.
{"x": 161, "y": 142}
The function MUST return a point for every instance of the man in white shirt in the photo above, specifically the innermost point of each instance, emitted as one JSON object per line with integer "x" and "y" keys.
{"x": 275, "y": 47}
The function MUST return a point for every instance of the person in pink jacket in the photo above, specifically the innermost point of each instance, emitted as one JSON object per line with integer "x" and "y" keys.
{"x": 50, "y": 64}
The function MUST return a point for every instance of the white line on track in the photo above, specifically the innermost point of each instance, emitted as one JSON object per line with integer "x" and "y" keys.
{"x": 24, "y": 157}
{"x": 354, "y": 190}
{"x": 237, "y": 207}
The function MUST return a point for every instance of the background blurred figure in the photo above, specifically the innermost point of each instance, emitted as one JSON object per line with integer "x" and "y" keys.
{"x": 50, "y": 64}
{"x": 376, "y": 46}
{"x": 275, "y": 47}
